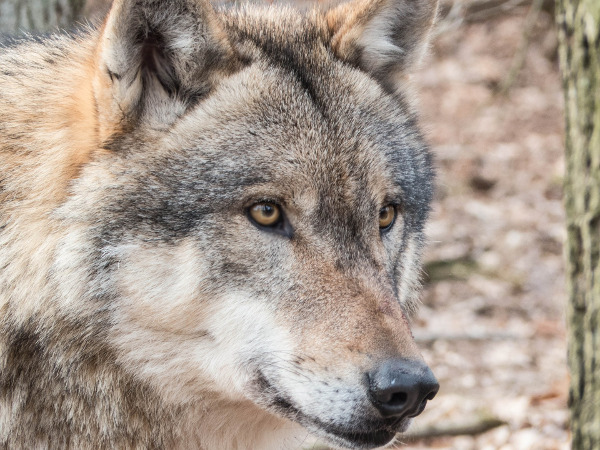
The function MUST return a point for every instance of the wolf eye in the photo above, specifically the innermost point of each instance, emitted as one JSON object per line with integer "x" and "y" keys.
{"x": 265, "y": 214}
{"x": 387, "y": 215}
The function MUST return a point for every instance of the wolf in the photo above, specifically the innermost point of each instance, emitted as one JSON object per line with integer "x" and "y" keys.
{"x": 210, "y": 228}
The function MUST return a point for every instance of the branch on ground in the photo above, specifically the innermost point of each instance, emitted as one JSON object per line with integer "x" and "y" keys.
{"x": 471, "y": 427}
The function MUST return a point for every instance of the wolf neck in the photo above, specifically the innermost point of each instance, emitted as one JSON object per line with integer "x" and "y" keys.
{"x": 43, "y": 381}
{"x": 52, "y": 110}
{"x": 47, "y": 134}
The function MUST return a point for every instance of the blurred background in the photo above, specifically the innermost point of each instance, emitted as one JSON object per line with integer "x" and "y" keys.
{"x": 492, "y": 322}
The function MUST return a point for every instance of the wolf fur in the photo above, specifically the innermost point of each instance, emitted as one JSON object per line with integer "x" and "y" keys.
{"x": 139, "y": 305}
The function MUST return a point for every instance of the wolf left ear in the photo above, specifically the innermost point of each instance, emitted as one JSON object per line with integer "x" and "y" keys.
{"x": 386, "y": 38}
{"x": 154, "y": 58}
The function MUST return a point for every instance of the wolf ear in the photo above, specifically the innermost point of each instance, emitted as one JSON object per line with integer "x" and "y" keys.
{"x": 154, "y": 58}
{"x": 386, "y": 38}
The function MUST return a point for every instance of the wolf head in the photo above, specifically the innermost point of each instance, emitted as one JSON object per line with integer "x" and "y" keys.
{"x": 255, "y": 217}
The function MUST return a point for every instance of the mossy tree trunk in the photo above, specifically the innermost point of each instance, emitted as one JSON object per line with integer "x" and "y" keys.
{"x": 38, "y": 15}
{"x": 579, "y": 28}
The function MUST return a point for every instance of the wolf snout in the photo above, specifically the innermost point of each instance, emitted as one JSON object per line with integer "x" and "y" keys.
{"x": 401, "y": 387}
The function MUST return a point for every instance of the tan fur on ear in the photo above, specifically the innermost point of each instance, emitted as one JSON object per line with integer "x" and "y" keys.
{"x": 154, "y": 58}
{"x": 382, "y": 37}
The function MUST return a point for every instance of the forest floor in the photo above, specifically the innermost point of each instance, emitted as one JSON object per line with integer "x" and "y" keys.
{"x": 492, "y": 322}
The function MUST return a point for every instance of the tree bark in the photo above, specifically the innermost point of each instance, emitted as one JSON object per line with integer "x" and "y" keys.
{"x": 38, "y": 15}
{"x": 579, "y": 29}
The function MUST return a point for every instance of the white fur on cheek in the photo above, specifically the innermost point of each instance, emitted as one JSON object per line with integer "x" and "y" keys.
{"x": 198, "y": 350}
{"x": 244, "y": 330}
{"x": 183, "y": 338}
{"x": 409, "y": 281}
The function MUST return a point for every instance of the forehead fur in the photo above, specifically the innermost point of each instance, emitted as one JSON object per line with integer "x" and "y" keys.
{"x": 353, "y": 118}
{"x": 296, "y": 102}
{"x": 295, "y": 119}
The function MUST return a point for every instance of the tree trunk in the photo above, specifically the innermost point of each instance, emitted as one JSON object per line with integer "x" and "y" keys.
{"x": 579, "y": 28}
{"x": 38, "y": 15}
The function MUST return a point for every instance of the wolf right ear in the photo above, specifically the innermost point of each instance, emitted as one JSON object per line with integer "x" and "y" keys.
{"x": 386, "y": 38}
{"x": 154, "y": 58}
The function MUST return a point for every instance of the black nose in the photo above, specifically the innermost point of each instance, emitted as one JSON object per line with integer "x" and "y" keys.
{"x": 401, "y": 387}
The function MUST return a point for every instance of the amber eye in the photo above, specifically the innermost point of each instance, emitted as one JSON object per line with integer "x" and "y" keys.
{"x": 265, "y": 214}
{"x": 387, "y": 214}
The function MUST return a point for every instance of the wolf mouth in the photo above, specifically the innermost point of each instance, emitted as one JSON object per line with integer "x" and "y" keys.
{"x": 358, "y": 438}
{"x": 368, "y": 435}
{"x": 380, "y": 435}
{"x": 365, "y": 440}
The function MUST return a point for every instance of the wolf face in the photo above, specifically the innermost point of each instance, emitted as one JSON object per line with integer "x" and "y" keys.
{"x": 243, "y": 231}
